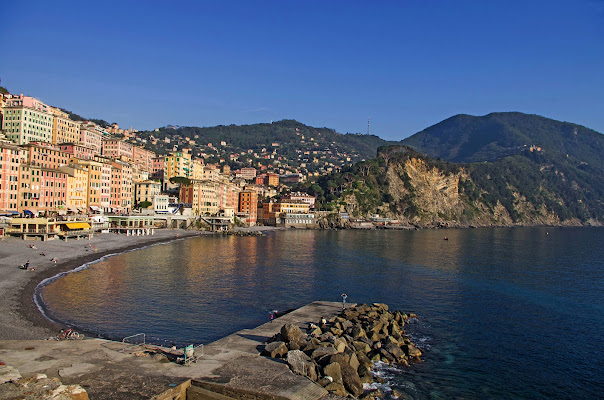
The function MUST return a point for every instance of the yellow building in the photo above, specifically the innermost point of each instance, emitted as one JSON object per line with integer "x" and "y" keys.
{"x": 203, "y": 197}
{"x": 77, "y": 187}
{"x": 99, "y": 184}
{"x": 178, "y": 164}
{"x": 146, "y": 191}
{"x": 292, "y": 206}
{"x": 64, "y": 130}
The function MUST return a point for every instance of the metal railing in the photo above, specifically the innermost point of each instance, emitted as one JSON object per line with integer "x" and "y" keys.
{"x": 132, "y": 345}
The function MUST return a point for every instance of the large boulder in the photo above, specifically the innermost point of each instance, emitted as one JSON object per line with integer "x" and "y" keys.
{"x": 337, "y": 388}
{"x": 411, "y": 351}
{"x": 323, "y": 351}
{"x": 290, "y": 333}
{"x": 361, "y": 346}
{"x": 297, "y": 360}
{"x": 275, "y": 349}
{"x": 357, "y": 332}
{"x": 351, "y": 379}
{"x": 340, "y": 345}
{"x": 386, "y": 356}
{"x": 380, "y": 306}
{"x": 354, "y": 361}
{"x": 395, "y": 351}
{"x": 334, "y": 370}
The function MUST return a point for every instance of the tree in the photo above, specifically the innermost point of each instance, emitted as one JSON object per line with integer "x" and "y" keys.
{"x": 180, "y": 180}
{"x": 144, "y": 204}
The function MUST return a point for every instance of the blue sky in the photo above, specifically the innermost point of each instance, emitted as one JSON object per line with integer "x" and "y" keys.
{"x": 405, "y": 64}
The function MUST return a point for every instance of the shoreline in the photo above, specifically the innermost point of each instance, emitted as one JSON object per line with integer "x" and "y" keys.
{"x": 20, "y": 318}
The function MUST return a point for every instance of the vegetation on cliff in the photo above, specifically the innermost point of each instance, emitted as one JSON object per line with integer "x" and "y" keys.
{"x": 555, "y": 181}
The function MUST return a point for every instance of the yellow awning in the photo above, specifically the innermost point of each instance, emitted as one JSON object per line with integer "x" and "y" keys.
{"x": 78, "y": 225}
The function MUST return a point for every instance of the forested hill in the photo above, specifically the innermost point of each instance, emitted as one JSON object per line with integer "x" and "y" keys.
{"x": 466, "y": 138}
{"x": 290, "y": 141}
{"x": 532, "y": 170}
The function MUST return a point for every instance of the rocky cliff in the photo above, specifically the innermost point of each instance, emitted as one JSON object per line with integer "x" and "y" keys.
{"x": 418, "y": 190}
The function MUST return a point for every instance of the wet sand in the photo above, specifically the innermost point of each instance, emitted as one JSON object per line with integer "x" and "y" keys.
{"x": 19, "y": 316}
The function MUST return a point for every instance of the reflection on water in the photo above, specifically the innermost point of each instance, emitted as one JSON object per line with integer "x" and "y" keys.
{"x": 505, "y": 313}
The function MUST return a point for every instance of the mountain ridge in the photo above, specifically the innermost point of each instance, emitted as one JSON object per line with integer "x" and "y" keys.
{"x": 538, "y": 172}
{"x": 467, "y": 138}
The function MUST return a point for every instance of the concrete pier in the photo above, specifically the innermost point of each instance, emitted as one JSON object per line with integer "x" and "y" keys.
{"x": 108, "y": 373}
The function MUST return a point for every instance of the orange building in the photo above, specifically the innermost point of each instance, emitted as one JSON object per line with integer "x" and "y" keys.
{"x": 272, "y": 180}
{"x": 46, "y": 155}
{"x": 248, "y": 206}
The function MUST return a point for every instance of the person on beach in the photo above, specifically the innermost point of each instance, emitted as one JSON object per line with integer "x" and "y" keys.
{"x": 27, "y": 264}
{"x": 344, "y": 297}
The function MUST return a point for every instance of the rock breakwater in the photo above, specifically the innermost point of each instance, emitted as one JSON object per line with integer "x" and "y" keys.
{"x": 339, "y": 353}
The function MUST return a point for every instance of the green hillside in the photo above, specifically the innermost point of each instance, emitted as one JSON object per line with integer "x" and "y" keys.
{"x": 557, "y": 178}
{"x": 288, "y": 141}
{"x": 466, "y": 138}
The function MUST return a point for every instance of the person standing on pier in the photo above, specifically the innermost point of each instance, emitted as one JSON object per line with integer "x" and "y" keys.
{"x": 344, "y": 297}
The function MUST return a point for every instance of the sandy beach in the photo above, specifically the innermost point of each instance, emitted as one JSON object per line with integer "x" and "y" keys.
{"x": 19, "y": 317}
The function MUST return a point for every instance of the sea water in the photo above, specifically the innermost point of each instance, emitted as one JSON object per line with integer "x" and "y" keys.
{"x": 503, "y": 313}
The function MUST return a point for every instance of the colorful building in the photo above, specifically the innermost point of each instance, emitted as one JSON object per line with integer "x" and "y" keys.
{"x": 203, "y": 197}
{"x": 143, "y": 158}
{"x": 248, "y": 206}
{"x": 114, "y": 148}
{"x": 178, "y": 164}
{"x": 91, "y": 136}
{"x": 246, "y": 173}
{"x": 298, "y": 196}
{"x": 26, "y": 119}
{"x": 157, "y": 171}
{"x": 11, "y": 157}
{"x": 64, "y": 130}
{"x": 78, "y": 151}
{"x": 46, "y": 155}
{"x": 121, "y": 186}
{"x": 41, "y": 189}
{"x": 272, "y": 180}
{"x": 146, "y": 191}
{"x": 76, "y": 200}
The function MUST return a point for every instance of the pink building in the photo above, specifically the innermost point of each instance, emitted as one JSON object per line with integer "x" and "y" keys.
{"x": 246, "y": 173}
{"x": 11, "y": 156}
{"x": 41, "y": 189}
{"x": 121, "y": 186}
{"x": 78, "y": 151}
{"x": 144, "y": 158}
{"x": 157, "y": 171}
{"x": 114, "y": 148}
{"x": 91, "y": 137}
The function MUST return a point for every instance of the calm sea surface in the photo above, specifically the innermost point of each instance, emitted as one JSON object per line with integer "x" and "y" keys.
{"x": 504, "y": 313}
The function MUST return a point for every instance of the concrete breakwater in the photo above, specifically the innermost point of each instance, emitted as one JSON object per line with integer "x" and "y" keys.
{"x": 338, "y": 353}
{"x": 233, "y": 364}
